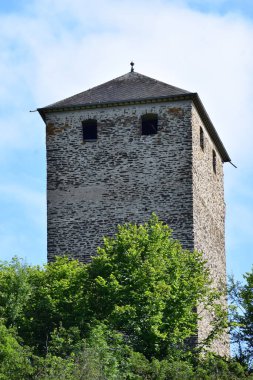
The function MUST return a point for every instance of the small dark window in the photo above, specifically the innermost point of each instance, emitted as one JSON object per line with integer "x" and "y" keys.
{"x": 201, "y": 138}
{"x": 149, "y": 123}
{"x": 214, "y": 161}
{"x": 90, "y": 129}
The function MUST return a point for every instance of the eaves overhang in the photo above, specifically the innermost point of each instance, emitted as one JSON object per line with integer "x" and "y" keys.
{"x": 162, "y": 99}
{"x": 210, "y": 127}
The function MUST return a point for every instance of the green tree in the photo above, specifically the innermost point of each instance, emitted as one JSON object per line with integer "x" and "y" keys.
{"x": 145, "y": 285}
{"x": 241, "y": 297}
{"x": 15, "y": 359}
{"x": 55, "y": 300}
{"x": 37, "y": 300}
{"x": 15, "y": 290}
{"x": 128, "y": 314}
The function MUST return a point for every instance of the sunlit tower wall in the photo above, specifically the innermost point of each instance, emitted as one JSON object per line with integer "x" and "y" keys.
{"x": 127, "y": 148}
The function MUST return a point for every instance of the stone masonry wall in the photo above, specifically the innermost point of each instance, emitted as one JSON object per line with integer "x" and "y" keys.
{"x": 123, "y": 176}
{"x": 209, "y": 216}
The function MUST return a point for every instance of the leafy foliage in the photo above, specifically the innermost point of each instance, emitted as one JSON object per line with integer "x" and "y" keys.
{"x": 128, "y": 314}
{"x": 145, "y": 285}
{"x": 241, "y": 297}
{"x": 15, "y": 361}
{"x": 38, "y": 300}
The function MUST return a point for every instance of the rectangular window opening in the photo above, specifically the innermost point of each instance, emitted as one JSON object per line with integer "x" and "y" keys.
{"x": 89, "y": 130}
{"x": 214, "y": 161}
{"x": 201, "y": 138}
{"x": 149, "y": 123}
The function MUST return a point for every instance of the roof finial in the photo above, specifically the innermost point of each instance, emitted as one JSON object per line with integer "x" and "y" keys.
{"x": 132, "y": 66}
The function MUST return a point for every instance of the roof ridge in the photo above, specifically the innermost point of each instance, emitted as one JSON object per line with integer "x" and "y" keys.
{"x": 134, "y": 87}
{"x": 134, "y": 78}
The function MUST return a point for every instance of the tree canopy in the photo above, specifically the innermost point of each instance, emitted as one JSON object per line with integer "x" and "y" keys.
{"x": 145, "y": 285}
{"x": 241, "y": 298}
{"x": 128, "y": 314}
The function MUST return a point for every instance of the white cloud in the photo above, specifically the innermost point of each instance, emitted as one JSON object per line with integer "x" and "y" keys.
{"x": 72, "y": 45}
{"x": 23, "y": 194}
{"x": 33, "y": 201}
{"x": 22, "y": 223}
{"x": 58, "y": 48}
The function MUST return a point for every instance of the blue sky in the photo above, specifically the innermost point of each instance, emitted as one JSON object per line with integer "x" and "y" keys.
{"x": 223, "y": 7}
{"x": 51, "y": 49}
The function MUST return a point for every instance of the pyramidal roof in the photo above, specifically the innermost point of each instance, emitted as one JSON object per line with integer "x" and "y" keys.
{"x": 135, "y": 87}
{"x": 131, "y": 86}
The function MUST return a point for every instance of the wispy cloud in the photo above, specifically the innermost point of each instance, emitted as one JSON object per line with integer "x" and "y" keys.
{"x": 33, "y": 202}
{"x": 22, "y": 194}
{"x": 61, "y": 48}
{"x": 22, "y": 223}
{"x": 52, "y": 49}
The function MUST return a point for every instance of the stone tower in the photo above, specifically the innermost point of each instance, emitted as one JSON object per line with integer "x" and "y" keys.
{"x": 127, "y": 148}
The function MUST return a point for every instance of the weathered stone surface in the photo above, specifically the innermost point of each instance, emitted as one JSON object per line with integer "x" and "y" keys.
{"x": 123, "y": 176}
{"x": 209, "y": 216}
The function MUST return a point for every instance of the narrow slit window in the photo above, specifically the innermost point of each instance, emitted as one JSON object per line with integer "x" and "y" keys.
{"x": 149, "y": 124}
{"x": 89, "y": 130}
{"x": 201, "y": 138}
{"x": 214, "y": 161}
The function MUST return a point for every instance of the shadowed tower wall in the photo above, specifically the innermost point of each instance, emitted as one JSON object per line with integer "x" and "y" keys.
{"x": 209, "y": 215}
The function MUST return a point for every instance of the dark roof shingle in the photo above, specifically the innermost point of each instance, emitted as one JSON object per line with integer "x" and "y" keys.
{"x": 136, "y": 87}
{"x": 131, "y": 86}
